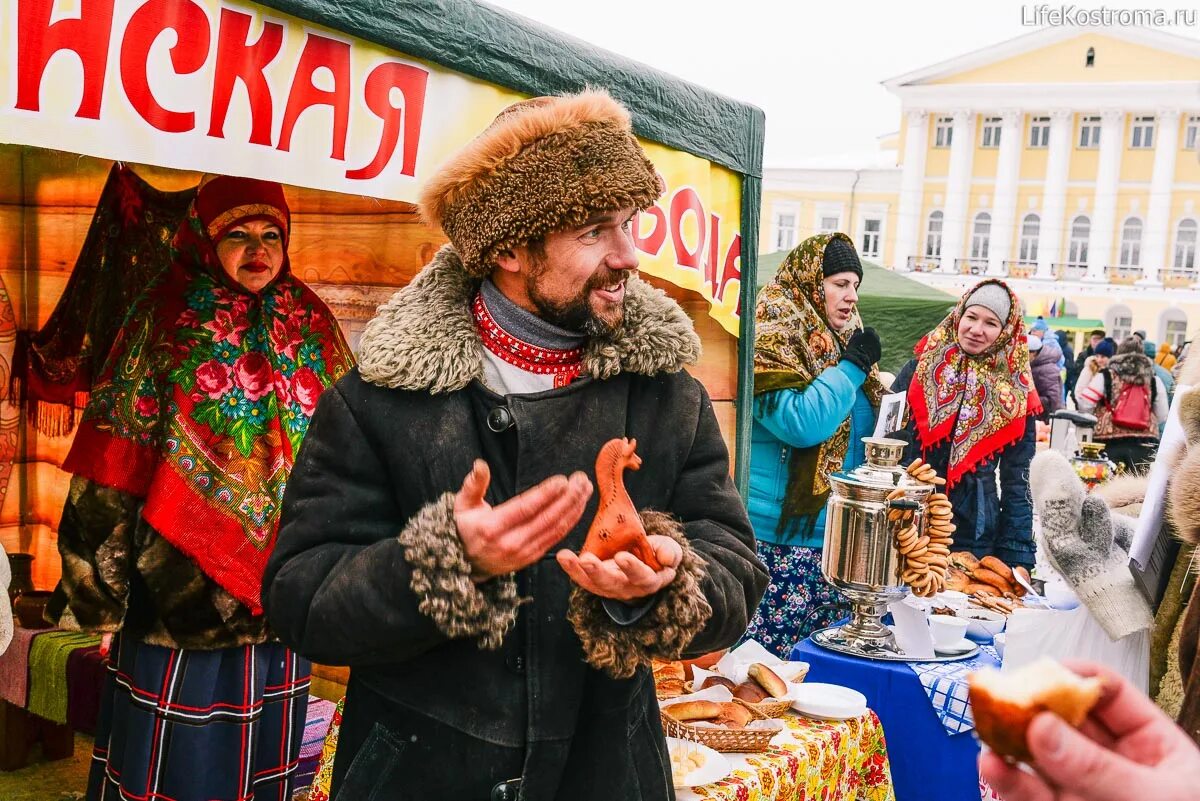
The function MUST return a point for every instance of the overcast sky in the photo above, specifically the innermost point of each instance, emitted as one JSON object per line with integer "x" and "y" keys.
{"x": 816, "y": 68}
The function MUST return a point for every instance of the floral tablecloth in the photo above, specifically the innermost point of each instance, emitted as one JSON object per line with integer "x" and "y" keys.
{"x": 812, "y": 760}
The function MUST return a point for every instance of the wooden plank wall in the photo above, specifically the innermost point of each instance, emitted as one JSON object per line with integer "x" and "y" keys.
{"x": 354, "y": 251}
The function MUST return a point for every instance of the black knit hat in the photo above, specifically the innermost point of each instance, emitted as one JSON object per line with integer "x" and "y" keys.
{"x": 840, "y": 258}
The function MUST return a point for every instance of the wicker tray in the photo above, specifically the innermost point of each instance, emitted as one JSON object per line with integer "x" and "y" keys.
{"x": 766, "y": 710}
{"x": 727, "y": 741}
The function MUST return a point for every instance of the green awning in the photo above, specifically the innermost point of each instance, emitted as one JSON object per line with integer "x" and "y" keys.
{"x": 1068, "y": 323}
{"x": 900, "y": 309}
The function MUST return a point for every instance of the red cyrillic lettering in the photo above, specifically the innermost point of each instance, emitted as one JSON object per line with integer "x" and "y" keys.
{"x": 732, "y": 270}
{"x": 411, "y": 81}
{"x": 652, "y": 242}
{"x": 686, "y": 200}
{"x": 237, "y": 59}
{"x": 37, "y": 40}
{"x": 190, "y": 24}
{"x": 320, "y": 51}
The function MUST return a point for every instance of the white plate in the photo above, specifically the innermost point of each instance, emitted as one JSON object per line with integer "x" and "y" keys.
{"x": 715, "y": 767}
{"x": 828, "y": 701}
{"x": 961, "y": 647}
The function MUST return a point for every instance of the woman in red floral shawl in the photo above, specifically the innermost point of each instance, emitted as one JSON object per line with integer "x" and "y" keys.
{"x": 973, "y": 410}
{"x": 179, "y": 466}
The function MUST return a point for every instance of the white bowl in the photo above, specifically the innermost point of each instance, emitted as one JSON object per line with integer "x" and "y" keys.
{"x": 953, "y": 598}
{"x": 1059, "y": 595}
{"x": 983, "y": 623}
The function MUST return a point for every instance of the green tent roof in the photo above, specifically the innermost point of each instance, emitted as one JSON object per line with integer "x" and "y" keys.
{"x": 900, "y": 309}
{"x": 1068, "y": 323}
{"x": 497, "y": 46}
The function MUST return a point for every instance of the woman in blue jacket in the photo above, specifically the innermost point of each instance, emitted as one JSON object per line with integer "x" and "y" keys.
{"x": 816, "y": 393}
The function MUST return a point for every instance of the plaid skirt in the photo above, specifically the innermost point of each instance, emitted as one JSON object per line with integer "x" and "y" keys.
{"x": 183, "y": 725}
{"x": 798, "y": 600}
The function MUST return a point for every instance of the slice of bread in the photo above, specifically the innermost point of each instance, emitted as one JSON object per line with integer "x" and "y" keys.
{"x": 1004, "y": 704}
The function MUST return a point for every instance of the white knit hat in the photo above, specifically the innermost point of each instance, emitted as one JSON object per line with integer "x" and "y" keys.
{"x": 1083, "y": 540}
{"x": 993, "y": 297}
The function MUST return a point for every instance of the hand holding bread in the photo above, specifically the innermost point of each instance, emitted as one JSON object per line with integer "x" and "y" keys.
{"x": 1125, "y": 750}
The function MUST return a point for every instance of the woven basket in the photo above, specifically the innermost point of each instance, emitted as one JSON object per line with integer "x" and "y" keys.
{"x": 766, "y": 710}
{"x": 727, "y": 741}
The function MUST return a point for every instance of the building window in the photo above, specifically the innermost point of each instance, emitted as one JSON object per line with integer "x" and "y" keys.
{"x": 1039, "y": 132}
{"x": 1143, "y": 133}
{"x": 943, "y": 131}
{"x": 1190, "y": 135}
{"x": 829, "y": 224}
{"x": 870, "y": 237}
{"x": 981, "y": 233}
{"x": 1131, "y": 243}
{"x": 1077, "y": 251}
{"x": 1090, "y": 59}
{"x": 933, "y": 236}
{"x": 1176, "y": 330}
{"x": 1122, "y": 323}
{"x": 785, "y": 230}
{"x": 1089, "y": 132}
{"x": 991, "y": 131}
{"x": 1030, "y": 228}
{"x": 1185, "y": 246}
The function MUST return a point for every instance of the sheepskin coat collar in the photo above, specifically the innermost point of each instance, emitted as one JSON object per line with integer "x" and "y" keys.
{"x": 424, "y": 338}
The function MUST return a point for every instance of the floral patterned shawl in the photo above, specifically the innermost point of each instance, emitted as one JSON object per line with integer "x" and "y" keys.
{"x": 978, "y": 402}
{"x": 207, "y": 393}
{"x": 793, "y": 345}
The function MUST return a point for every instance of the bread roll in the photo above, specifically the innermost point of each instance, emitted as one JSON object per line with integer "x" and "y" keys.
{"x": 985, "y": 576}
{"x": 1004, "y": 704}
{"x": 669, "y": 670}
{"x": 734, "y": 716}
{"x": 964, "y": 560}
{"x": 957, "y": 580}
{"x": 750, "y": 692}
{"x": 670, "y": 688}
{"x": 717, "y": 681}
{"x": 1019, "y": 588}
{"x": 975, "y": 588}
{"x": 768, "y": 679}
{"x": 999, "y": 568}
{"x": 695, "y": 710}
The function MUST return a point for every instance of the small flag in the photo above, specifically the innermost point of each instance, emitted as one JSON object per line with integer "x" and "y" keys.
{"x": 1054, "y": 309}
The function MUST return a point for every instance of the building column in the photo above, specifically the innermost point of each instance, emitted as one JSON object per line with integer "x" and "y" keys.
{"x": 912, "y": 188}
{"x": 958, "y": 189}
{"x": 1155, "y": 258}
{"x": 1054, "y": 193}
{"x": 1104, "y": 205}
{"x": 1004, "y": 201}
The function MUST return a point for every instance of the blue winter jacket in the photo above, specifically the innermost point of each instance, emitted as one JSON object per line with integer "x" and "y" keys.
{"x": 803, "y": 419}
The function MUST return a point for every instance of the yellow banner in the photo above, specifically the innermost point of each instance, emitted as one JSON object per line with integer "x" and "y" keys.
{"x": 229, "y": 87}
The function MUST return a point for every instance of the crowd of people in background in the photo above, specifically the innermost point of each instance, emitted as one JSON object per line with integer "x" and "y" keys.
{"x": 976, "y": 389}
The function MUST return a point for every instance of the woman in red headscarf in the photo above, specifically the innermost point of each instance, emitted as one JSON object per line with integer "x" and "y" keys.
{"x": 179, "y": 467}
{"x": 973, "y": 418}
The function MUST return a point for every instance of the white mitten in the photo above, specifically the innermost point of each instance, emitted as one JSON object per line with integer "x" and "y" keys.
{"x": 1087, "y": 546}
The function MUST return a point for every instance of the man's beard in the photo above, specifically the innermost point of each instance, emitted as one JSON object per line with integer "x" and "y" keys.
{"x": 575, "y": 314}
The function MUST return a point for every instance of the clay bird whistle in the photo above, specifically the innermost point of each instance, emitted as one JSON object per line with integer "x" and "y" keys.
{"x": 617, "y": 526}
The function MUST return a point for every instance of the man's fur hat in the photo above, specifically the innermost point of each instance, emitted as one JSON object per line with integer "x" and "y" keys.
{"x": 543, "y": 165}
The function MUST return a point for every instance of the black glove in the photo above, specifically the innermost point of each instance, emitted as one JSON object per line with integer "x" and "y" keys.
{"x": 864, "y": 349}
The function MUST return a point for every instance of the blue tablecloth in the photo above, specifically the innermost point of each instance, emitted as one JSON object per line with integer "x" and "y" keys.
{"x": 928, "y": 763}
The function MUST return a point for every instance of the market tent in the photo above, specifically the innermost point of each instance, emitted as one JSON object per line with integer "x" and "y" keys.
{"x": 900, "y": 309}
{"x": 1068, "y": 323}
{"x": 410, "y": 83}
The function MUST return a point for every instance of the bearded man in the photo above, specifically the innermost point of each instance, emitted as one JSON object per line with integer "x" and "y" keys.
{"x": 490, "y": 660}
